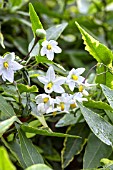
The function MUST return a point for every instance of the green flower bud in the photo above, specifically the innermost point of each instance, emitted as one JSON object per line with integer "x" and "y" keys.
{"x": 41, "y": 33}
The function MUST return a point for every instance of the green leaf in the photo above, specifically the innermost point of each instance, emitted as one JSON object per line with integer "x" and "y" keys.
{"x": 108, "y": 94}
{"x": 94, "y": 152}
{"x": 2, "y": 40}
{"x": 72, "y": 146}
{"x": 45, "y": 132}
{"x": 25, "y": 88}
{"x": 102, "y": 54}
{"x": 5, "y": 162}
{"x": 36, "y": 24}
{"x": 29, "y": 153}
{"x": 101, "y": 128}
{"x": 54, "y": 32}
{"x": 14, "y": 148}
{"x": 4, "y": 125}
{"x": 99, "y": 51}
{"x": 98, "y": 105}
{"x": 39, "y": 167}
{"x": 43, "y": 59}
{"x": 6, "y": 108}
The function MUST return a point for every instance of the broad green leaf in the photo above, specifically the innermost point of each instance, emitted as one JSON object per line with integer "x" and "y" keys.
{"x": 5, "y": 162}
{"x": 109, "y": 114}
{"x": 101, "y": 53}
{"x": 94, "y": 152}
{"x": 54, "y": 32}
{"x": 25, "y": 88}
{"x": 29, "y": 153}
{"x": 45, "y": 132}
{"x": 72, "y": 146}
{"x": 4, "y": 125}
{"x": 39, "y": 167}
{"x": 36, "y": 24}
{"x": 68, "y": 119}
{"x": 14, "y": 148}
{"x": 108, "y": 94}
{"x": 6, "y": 108}
{"x": 98, "y": 105}
{"x": 101, "y": 128}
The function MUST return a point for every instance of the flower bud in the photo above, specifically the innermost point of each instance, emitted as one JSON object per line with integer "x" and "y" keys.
{"x": 41, "y": 33}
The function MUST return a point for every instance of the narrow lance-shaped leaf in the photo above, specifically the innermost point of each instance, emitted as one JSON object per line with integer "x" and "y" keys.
{"x": 102, "y": 54}
{"x": 5, "y": 162}
{"x": 45, "y": 132}
{"x": 29, "y": 153}
{"x": 108, "y": 94}
{"x": 36, "y": 24}
{"x": 4, "y": 125}
{"x": 54, "y": 32}
{"x": 6, "y": 108}
{"x": 94, "y": 152}
{"x": 101, "y": 128}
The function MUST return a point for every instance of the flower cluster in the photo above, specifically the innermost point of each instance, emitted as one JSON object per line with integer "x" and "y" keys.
{"x": 66, "y": 101}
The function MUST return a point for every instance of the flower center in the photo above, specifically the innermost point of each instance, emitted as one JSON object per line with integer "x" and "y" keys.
{"x": 62, "y": 106}
{"x": 45, "y": 100}
{"x": 74, "y": 77}
{"x": 81, "y": 88}
{"x": 6, "y": 65}
{"x": 49, "y": 46}
{"x": 54, "y": 113}
{"x": 73, "y": 105}
{"x": 49, "y": 86}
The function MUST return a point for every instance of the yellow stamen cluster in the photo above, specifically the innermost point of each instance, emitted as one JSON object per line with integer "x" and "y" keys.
{"x": 49, "y": 47}
{"x": 54, "y": 113}
{"x": 6, "y": 65}
{"x": 73, "y": 105}
{"x": 45, "y": 100}
{"x": 74, "y": 77}
{"x": 81, "y": 88}
{"x": 62, "y": 106}
{"x": 49, "y": 86}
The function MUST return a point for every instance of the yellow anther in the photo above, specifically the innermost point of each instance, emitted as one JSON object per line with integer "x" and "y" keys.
{"x": 54, "y": 113}
{"x": 62, "y": 106}
{"x": 6, "y": 65}
{"x": 74, "y": 77}
{"x": 49, "y": 47}
{"x": 45, "y": 100}
{"x": 73, "y": 105}
{"x": 81, "y": 88}
{"x": 49, "y": 86}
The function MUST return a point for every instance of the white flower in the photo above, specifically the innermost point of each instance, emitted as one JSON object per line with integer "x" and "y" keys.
{"x": 83, "y": 86}
{"x": 49, "y": 48}
{"x": 79, "y": 97}
{"x": 8, "y": 66}
{"x": 51, "y": 83}
{"x": 74, "y": 78}
{"x": 63, "y": 102}
{"x": 41, "y": 109}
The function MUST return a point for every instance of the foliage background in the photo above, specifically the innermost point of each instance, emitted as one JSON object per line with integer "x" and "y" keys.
{"x": 96, "y": 16}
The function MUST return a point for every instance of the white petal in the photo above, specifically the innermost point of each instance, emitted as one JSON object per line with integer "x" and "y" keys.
{"x": 71, "y": 85}
{"x": 60, "y": 80}
{"x": 58, "y": 89}
{"x": 79, "y": 71}
{"x": 1, "y": 61}
{"x": 53, "y": 42}
{"x": 8, "y": 74}
{"x": 15, "y": 66}
{"x": 70, "y": 73}
{"x": 50, "y": 75}
{"x": 9, "y": 57}
{"x": 80, "y": 79}
{"x": 43, "y": 80}
{"x": 45, "y": 43}
{"x": 43, "y": 51}
{"x": 50, "y": 55}
{"x": 57, "y": 49}
{"x": 85, "y": 93}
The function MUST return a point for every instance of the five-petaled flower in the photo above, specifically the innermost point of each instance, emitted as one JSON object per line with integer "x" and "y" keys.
{"x": 8, "y": 66}
{"x": 74, "y": 78}
{"x": 51, "y": 82}
{"x": 49, "y": 48}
